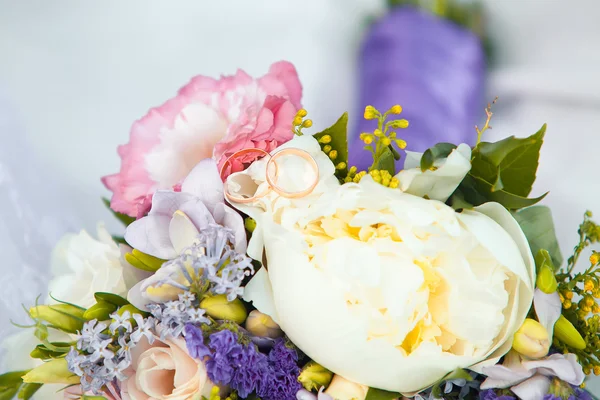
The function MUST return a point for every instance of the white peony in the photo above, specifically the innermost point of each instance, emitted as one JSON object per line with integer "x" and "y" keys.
{"x": 388, "y": 289}
{"x": 83, "y": 265}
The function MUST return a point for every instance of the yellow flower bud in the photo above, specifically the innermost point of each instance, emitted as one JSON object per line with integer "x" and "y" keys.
{"x": 546, "y": 281}
{"x": 250, "y": 224}
{"x": 394, "y": 183}
{"x": 596, "y": 293}
{"x": 587, "y": 370}
{"x": 219, "y": 307}
{"x": 341, "y": 166}
{"x": 352, "y": 170}
{"x": 589, "y": 301}
{"x": 100, "y": 311}
{"x": 325, "y": 139}
{"x": 596, "y": 369}
{"x": 260, "y": 324}
{"x": 401, "y": 144}
{"x": 371, "y": 112}
{"x": 399, "y": 123}
{"x": 64, "y": 317}
{"x": 307, "y": 124}
{"x": 378, "y": 133}
{"x": 569, "y": 295}
{"x": 588, "y": 285}
{"x": 396, "y": 109}
{"x": 54, "y": 371}
{"x": 302, "y": 113}
{"x": 368, "y": 140}
{"x": 568, "y": 334}
{"x": 532, "y": 339}
{"x": 567, "y": 304}
{"x": 333, "y": 154}
{"x": 596, "y": 309}
{"x": 314, "y": 376}
{"x": 297, "y": 121}
{"x": 595, "y": 258}
{"x": 386, "y": 141}
{"x": 326, "y": 148}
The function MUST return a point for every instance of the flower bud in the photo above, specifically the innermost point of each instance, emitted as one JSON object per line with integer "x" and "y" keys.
{"x": 302, "y": 113}
{"x": 568, "y": 334}
{"x": 65, "y": 317}
{"x": 532, "y": 340}
{"x": 260, "y": 324}
{"x": 341, "y": 166}
{"x": 132, "y": 310}
{"x": 333, "y": 154}
{"x": 370, "y": 112}
{"x": 54, "y": 371}
{"x": 99, "y": 311}
{"x": 297, "y": 120}
{"x": 595, "y": 258}
{"x": 250, "y": 224}
{"x": 396, "y": 109}
{"x": 219, "y": 307}
{"x": 341, "y": 388}
{"x": 307, "y": 123}
{"x": 314, "y": 376}
{"x": 325, "y": 139}
{"x": 399, "y": 123}
{"x": 546, "y": 281}
{"x": 144, "y": 261}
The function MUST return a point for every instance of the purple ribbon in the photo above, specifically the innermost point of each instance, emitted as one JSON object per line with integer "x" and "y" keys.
{"x": 433, "y": 68}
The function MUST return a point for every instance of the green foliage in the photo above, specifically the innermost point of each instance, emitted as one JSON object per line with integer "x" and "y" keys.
{"x": 378, "y": 394}
{"x": 504, "y": 172}
{"x": 538, "y": 226}
{"x": 431, "y": 155}
{"x": 10, "y": 384}
{"x": 111, "y": 298}
{"x": 386, "y": 162}
{"x": 47, "y": 351}
{"x": 28, "y": 390}
{"x": 125, "y": 219}
{"x": 338, "y": 140}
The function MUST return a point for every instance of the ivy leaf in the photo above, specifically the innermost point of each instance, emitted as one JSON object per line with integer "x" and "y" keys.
{"x": 339, "y": 142}
{"x": 125, "y": 219}
{"x": 538, "y": 226}
{"x": 432, "y": 154}
{"x": 386, "y": 162}
{"x": 509, "y": 164}
{"x": 378, "y": 394}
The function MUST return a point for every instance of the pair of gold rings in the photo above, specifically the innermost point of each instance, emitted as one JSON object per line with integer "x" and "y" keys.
{"x": 272, "y": 181}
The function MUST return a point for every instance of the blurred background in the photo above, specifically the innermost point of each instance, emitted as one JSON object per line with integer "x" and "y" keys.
{"x": 75, "y": 75}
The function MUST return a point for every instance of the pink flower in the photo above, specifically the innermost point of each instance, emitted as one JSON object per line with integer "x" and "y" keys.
{"x": 208, "y": 118}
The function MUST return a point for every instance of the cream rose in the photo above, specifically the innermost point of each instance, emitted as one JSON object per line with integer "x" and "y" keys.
{"x": 164, "y": 370}
{"x": 387, "y": 289}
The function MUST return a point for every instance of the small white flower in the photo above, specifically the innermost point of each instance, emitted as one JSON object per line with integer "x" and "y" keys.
{"x": 115, "y": 370}
{"x": 196, "y": 316}
{"x": 144, "y": 328}
{"x": 187, "y": 298}
{"x": 120, "y": 321}
{"x": 124, "y": 351}
{"x": 100, "y": 350}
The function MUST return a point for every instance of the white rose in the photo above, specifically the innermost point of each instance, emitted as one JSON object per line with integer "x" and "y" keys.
{"x": 82, "y": 266}
{"x": 436, "y": 184}
{"x": 388, "y": 289}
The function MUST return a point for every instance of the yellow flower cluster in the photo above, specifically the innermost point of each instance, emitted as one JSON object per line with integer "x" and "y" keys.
{"x": 380, "y": 176}
{"x": 299, "y": 122}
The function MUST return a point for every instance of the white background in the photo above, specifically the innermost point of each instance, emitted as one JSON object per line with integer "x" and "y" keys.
{"x": 79, "y": 73}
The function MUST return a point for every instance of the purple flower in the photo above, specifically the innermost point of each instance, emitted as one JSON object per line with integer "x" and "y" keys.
{"x": 251, "y": 366}
{"x": 282, "y": 357}
{"x": 580, "y": 394}
{"x": 490, "y": 394}
{"x": 279, "y": 385}
{"x": 195, "y": 342}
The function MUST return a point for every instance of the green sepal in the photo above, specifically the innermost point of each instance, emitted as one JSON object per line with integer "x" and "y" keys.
{"x": 111, "y": 298}
{"x": 432, "y": 154}
{"x": 28, "y": 390}
{"x": 144, "y": 261}
{"x": 43, "y": 352}
{"x": 379, "y": 394}
{"x": 538, "y": 227}
{"x": 339, "y": 142}
{"x": 125, "y": 219}
{"x": 100, "y": 311}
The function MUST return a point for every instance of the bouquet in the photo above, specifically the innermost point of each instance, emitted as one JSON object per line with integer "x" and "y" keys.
{"x": 257, "y": 264}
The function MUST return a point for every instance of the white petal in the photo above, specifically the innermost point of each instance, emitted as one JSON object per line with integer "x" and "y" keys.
{"x": 150, "y": 235}
{"x": 230, "y": 218}
{"x": 565, "y": 367}
{"x": 260, "y": 293}
{"x": 548, "y": 309}
{"x": 182, "y": 231}
{"x": 532, "y": 389}
{"x": 166, "y": 202}
{"x": 204, "y": 182}
{"x": 135, "y": 296}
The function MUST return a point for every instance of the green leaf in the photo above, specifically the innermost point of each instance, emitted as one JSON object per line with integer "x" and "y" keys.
{"x": 339, "y": 142}
{"x": 378, "y": 394}
{"x": 10, "y": 383}
{"x": 538, "y": 226}
{"x": 111, "y": 298}
{"x": 125, "y": 219}
{"x": 458, "y": 202}
{"x": 28, "y": 390}
{"x": 58, "y": 349}
{"x": 458, "y": 373}
{"x": 9, "y": 393}
{"x": 386, "y": 162}
{"x": 479, "y": 191}
{"x": 511, "y": 163}
{"x": 100, "y": 311}
{"x": 86, "y": 397}
{"x": 432, "y": 154}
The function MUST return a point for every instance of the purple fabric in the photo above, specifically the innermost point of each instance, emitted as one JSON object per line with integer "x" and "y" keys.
{"x": 433, "y": 68}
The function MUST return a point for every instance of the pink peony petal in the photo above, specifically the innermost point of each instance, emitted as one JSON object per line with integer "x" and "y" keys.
{"x": 286, "y": 72}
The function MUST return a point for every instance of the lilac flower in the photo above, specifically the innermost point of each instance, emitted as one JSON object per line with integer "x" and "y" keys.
{"x": 491, "y": 395}
{"x": 125, "y": 345}
{"x": 75, "y": 361}
{"x": 120, "y": 321}
{"x": 90, "y": 335}
{"x": 100, "y": 350}
{"x": 196, "y": 316}
{"x": 187, "y": 298}
{"x": 144, "y": 328}
{"x": 114, "y": 368}
{"x": 195, "y": 342}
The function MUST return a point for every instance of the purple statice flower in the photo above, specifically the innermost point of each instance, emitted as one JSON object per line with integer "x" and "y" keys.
{"x": 281, "y": 383}
{"x": 282, "y": 357}
{"x": 219, "y": 366}
{"x": 491, "y": 394}
{"x": 577, "y": 394}
{"x": 195, "y": 342}
{"x": 250, "y": 368}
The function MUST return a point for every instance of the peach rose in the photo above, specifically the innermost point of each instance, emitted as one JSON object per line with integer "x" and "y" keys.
{"x": 164, "y": 370}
